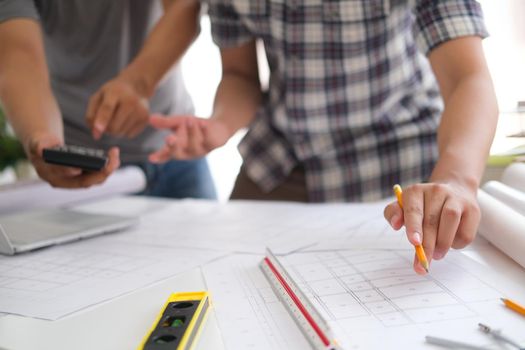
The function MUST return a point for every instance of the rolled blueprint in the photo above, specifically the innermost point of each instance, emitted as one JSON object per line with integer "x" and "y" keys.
{"x": 39, "y": 194}
{"x": 514, "y": 176}
{"x": 510, "y": 196}
{"x": 502, "y": 226}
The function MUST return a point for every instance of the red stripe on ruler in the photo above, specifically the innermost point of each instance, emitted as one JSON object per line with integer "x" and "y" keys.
{"x": 298, "y": 303}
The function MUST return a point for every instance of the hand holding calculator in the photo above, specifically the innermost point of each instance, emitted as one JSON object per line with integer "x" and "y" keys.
{"x": 76, "y": 156}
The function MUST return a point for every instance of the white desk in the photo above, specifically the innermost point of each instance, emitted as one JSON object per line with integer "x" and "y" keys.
{"x": 119, "y": 324}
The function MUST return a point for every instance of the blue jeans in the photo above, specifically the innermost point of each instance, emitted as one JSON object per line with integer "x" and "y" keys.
{"x": 179, "y": 179}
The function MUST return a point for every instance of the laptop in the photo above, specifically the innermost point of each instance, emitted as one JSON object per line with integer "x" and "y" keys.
{"x": 36, "y": 229}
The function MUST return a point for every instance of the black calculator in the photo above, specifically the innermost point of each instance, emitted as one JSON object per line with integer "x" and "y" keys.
{"x": 76, "y": 156}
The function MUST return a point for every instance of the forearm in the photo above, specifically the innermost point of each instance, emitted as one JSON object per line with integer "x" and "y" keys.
{"x": 25, "y": 91}
{"x": 239, "y": 93}
{"x": 237, "y": 99}
{"x": 466, "y": 130}
{"x": 166, "y": 44}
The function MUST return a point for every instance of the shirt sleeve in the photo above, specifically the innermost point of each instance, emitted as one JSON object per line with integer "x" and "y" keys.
{"x": 438, "y": 21}
{"x": 10, "y": 9}
{"x": 227, "y": 26}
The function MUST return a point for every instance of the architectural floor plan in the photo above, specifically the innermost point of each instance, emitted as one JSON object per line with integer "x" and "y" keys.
{"x": 367, "y": 296}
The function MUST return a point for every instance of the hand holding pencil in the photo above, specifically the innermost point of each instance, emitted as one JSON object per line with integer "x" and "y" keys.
{"x": 420, "y": 252}
{"x": 437, "y": 216}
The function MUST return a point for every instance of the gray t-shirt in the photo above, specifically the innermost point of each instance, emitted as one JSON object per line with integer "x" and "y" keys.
{"x": 87, "y": 43}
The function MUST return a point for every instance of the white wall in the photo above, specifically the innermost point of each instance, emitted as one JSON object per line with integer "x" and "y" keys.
{"x": 202, "y": 71}
{"x": 505, "y": 49}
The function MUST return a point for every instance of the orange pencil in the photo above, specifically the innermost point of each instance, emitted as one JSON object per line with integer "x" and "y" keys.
{"x": 420, "y": 252}
{"x": 514, "y": 306}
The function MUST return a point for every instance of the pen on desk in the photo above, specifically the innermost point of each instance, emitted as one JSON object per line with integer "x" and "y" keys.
{"x": 514, "y": 306}
{"x": 452, "y": 343}
{"x": 420, "y": 252}
{"x": 498, "y": 336}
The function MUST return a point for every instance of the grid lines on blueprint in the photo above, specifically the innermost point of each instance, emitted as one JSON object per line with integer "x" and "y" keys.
{"x": 381, "y": 287}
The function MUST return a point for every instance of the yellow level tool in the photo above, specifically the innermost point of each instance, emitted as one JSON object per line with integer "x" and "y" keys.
{"x": 179, "y": 324}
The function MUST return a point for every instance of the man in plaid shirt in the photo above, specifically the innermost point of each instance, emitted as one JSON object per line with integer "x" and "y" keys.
{"x": 354, "y": 106}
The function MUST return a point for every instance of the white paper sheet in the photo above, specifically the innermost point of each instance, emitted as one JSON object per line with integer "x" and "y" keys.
{"x": 54, "y": 282}
{"x": 512, "y": 197}
{"x": 39, "y": 194}
{"x": 372, "y": 231}
{"x": 370, "y": 298}
{"x": 502, "y": 226}
{"x": 248, "y": 313}
{"x": 242, "y": 226}
{"x": 514, "y": 176}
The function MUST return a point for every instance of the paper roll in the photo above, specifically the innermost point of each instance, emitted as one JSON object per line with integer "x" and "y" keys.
{"x": 39, "y": 194}
{"x": 508, "y": 195}
{"x": 514, "y": 176}
{"x": 502, "y": 226}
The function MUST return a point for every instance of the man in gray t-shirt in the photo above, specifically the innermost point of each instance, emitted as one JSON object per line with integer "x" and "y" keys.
{"x": 83, "y": 45}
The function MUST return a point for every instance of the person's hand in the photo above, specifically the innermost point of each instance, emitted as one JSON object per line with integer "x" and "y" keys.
{"x": 191, "y": 137}
{"x": 66, "y": 177}
{"x": 119, "y": 109}
{"x": 438, "y": 215}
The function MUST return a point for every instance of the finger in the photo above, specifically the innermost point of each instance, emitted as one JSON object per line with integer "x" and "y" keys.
{"x": 195, "y": 138}
{"x": 93, "y": 105}
{"x": 413, "y": 210}
{"x": 206, "y": 135}
{"x": 46, "y": 170}
{"x": 171, "y": 140}
{"x": 179, "y": 142}
{"x": 66, "y": 172}
{"x": 36, "y": 146}
{"x": 113, "y": 161}
{"x": 103, "y": 115}
{"x": 98, "y": 177}
{"x": 34, "y": 149}
{"x": 160, "y": 156}
{"x": 394, "y": 215}
{"x": 136, "y": 129}
{"x": 448, "y": 227}
{"x": 135, "y": 122}
{"x": 215, "y": 134}
{"x": 435, "y": 196}
{"x": 127, "y": 126}
{"x": 60, "y": 178}
{"x": 417, "y": 266}
{"x": 56, "y": 175}
{"x": 468, "y": 226}
{"x": 209, "y": 142}
{"x": 161, "y": 122}
{"x": 121, "y": 116}
{"x": 178, "y": 147}
{"x": 80, "y": 181}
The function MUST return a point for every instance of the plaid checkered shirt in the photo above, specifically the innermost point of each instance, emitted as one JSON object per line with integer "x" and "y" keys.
{"x": 352, "y": 98}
